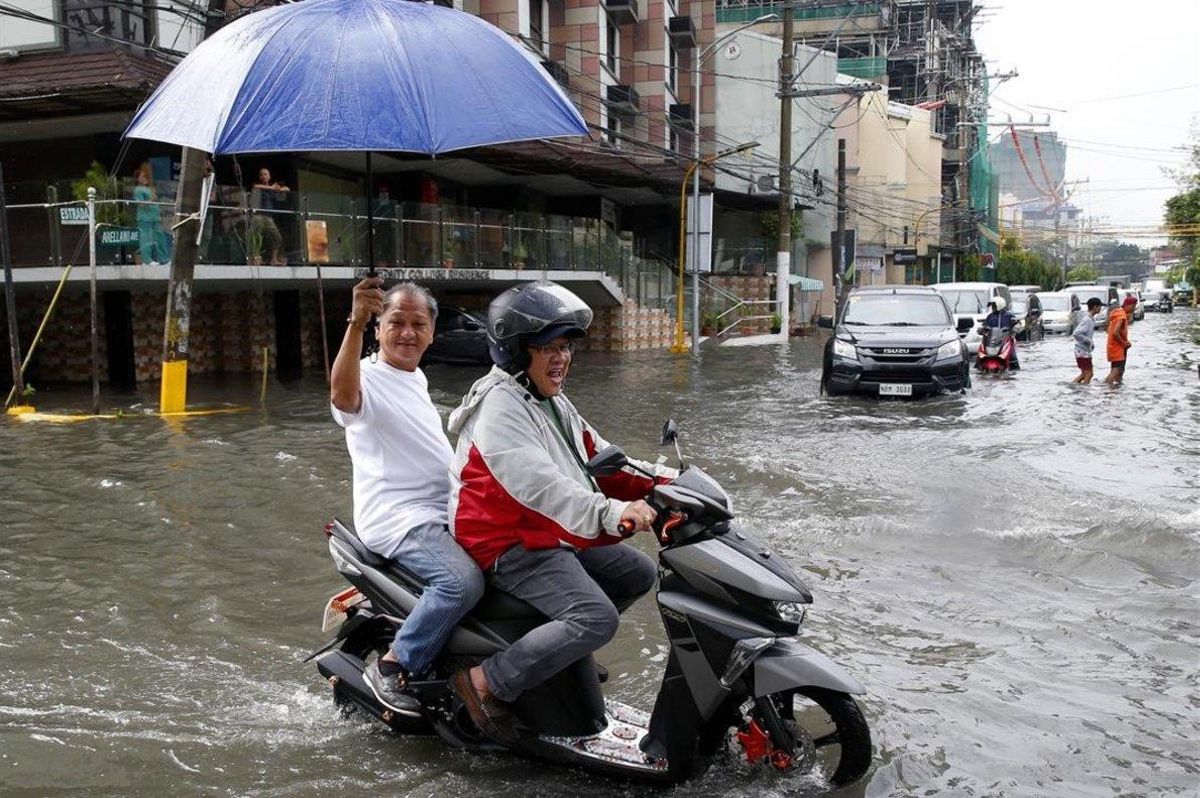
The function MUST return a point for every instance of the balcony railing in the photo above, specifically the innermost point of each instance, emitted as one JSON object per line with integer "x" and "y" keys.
{"x": 406, "y": 235}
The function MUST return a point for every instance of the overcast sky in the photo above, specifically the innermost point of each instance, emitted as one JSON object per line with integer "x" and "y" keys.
{"x": 1124, "y": 80}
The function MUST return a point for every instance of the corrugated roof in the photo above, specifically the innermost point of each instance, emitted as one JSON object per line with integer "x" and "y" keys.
{"x": 60, "y": 83}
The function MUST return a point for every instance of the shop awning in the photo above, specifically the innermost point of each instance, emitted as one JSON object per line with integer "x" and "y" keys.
{"x": 806, "y": 283}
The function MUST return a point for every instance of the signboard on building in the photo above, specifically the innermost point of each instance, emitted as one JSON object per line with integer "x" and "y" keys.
{"x": 904, "y": 256}
{"x": 843, "y": 253}
{"x": 426, "y": 275}
{"x": 868, "y": 264}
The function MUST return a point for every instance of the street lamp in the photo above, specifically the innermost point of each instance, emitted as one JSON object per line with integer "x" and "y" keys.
{"x": 693, "y": 168}
{"x": 697, "y": 60}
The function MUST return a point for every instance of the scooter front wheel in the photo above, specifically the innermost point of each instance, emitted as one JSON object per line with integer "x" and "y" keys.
{"x": 827, "y": 730}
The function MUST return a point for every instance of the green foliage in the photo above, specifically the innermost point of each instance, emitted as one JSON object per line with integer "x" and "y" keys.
{"x": 972, "y": 268}
{"x": 768, "y": 226}
{"x": 1082, "y": 274}
{"x": 108, "y": 187}
{"x": 1018, "y": 266}
{"x": 28, "y": 391}
{"x": 1183, "y": 210}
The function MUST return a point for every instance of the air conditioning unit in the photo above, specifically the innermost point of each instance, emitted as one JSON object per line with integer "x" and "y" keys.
{"x": 766, "y": 184}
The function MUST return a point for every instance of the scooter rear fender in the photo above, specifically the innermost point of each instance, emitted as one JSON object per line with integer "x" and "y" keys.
{"x": 790, "y": 664}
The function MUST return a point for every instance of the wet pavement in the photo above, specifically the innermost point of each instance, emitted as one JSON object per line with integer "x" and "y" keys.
{"x": 1011, "y": 573}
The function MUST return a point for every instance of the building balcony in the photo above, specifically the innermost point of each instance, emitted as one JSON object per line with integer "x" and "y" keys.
{"x": 681, "y": 117}
{"x": 622, "y": 99}
{"x": 623, "y": 12}
{"x": 682, "y": 31}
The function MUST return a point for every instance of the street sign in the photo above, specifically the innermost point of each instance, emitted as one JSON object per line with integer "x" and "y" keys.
{"x": 904, "y": 256}
{"x": 119, "y": 237}
{"x": 988, "y": 260}
{"x": 72, "y": 215}
{"x": 706, "y": 219}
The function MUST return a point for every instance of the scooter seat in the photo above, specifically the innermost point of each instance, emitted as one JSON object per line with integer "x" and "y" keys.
{"x": 496, "y": 605}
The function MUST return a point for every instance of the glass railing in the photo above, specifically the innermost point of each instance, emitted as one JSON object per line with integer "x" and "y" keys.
{"x": 48, "y": 227}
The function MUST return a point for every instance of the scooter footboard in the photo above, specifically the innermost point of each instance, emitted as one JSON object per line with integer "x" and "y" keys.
{"x": 789, "y": 664}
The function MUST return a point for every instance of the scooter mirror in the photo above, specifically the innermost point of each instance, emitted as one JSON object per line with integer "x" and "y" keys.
{"x": 607, "y": 462}
{"x": 670, "y": 432}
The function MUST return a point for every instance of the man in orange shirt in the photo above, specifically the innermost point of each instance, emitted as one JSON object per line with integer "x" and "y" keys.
{"x": 1118, "y": 340}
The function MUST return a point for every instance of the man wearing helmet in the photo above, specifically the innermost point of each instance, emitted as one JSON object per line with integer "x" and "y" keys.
{"x": 523, "y": 505}
{"x": 998, "y": 316}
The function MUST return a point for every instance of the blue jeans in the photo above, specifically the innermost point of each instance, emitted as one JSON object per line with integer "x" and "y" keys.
{"x": 454, "y": 585}
{"x": 581, "y": 592}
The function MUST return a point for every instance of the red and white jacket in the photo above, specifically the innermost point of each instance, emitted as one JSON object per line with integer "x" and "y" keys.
{"x": 514, "y": 480}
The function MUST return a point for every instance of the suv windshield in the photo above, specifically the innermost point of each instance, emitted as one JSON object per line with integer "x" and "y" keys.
{"x": 896, "y": 310}
{"x": 1055, "y": 303}
{"x": 964, "y": 301}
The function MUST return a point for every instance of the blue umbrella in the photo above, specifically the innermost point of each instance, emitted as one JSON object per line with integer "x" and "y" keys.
{"x": 356, "y": 75}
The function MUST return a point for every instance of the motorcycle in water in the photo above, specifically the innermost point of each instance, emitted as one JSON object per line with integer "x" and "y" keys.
{"x": 996, "y": 350}
{"x": 737, "y": 673}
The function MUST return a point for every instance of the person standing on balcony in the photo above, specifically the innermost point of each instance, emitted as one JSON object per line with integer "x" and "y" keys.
{"x": 272, "y": 196}
{"x": 154, "y": 245}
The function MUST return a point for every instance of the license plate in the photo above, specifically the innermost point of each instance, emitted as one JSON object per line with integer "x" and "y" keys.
{"x": 895, "y": 389}
{"x": 335, "y": 608}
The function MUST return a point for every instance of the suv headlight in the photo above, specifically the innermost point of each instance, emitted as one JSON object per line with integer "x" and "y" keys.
{"x": 949, "y": 349}
{"x": 844, "y": 349}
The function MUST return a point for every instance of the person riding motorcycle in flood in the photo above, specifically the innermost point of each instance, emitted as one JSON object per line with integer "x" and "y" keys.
{"x": 999, "y": 316}
{"x": 526, "y": 509}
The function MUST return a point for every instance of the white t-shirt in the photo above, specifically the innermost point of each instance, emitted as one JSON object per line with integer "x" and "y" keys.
{"x": 400, "y": 453}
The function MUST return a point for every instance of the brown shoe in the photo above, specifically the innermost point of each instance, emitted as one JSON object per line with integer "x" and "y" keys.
{"x": 487, "y": 714}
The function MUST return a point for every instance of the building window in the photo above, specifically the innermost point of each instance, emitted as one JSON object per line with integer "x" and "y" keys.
{"x": 672, "y": 66}
{"x": 537, "y": 29}
{"x": 17, "y": 33}
{"x": 613, "y": 44}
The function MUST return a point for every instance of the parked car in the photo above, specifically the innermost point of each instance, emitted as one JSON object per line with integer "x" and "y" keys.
{"x": 894, "y": 341}
{"x": 1106, "y": 295}
{"x": 1056, "y": 312}
{"x": 970, "y": 301}
{"x": 1027, "y": 309}
{"x": 459, "y": 337}
{"x": 1024, "y": 289}
{"x": 1158, "y": 301}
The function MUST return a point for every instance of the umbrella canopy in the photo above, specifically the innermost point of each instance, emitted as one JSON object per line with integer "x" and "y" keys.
{"x": 356, "y": 75}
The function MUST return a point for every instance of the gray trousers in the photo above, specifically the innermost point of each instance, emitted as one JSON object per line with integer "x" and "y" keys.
{"x": 581, "y": 592}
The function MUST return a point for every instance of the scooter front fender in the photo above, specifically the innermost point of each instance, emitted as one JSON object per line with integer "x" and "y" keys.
{"x": 790, "y": 664}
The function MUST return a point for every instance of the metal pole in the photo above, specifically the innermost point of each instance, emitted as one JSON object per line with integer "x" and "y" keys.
{"x": 370, "y": 219}
{"x": 10, "y": 298}
{"x": 91, "y": 213}
{"x": 695, "y": 205}
{"x": 839, "y": 267}
{"x": 783, "y": 264}
{"x": 173, "y": 390}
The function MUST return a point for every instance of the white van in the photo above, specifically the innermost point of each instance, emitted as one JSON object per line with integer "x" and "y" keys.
{"x": 1106, "y": 295}
{"x": 970, "y": 301}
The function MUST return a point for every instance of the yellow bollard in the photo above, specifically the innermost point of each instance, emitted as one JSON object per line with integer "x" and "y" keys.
{"x": 172, "y": 397}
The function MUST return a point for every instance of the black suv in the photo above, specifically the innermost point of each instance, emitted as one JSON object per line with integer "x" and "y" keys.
{"x": 895, "y": 341}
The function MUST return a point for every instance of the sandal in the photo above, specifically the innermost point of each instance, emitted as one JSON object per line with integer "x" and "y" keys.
{"x": 487, "y": 714}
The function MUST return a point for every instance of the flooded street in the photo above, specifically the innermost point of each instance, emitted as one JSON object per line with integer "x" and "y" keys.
{"x": 1012, "y": 574}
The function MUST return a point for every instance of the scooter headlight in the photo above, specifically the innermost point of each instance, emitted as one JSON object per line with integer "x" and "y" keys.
{"x": 791, "y": 611}
{"x": 844, "y": 349}
{"x": 949, "y": 349}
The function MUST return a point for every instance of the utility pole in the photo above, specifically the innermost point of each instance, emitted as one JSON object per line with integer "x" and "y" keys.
{"x": 783, "y": 263}
{"x": 10, "y": 296}
{"x": 173, "y": 390}
{"x": 839, "y": 266}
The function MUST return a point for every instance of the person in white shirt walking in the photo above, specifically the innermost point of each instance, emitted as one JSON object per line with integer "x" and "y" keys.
{"x": 401, "y": 462}
{"x": 1085, "y": 328}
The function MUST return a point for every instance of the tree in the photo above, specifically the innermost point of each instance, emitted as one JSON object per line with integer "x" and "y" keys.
{"x": 1082, "y": 274}
{"x": 1019, "y": 266}
{"x": 1183, "y": 210}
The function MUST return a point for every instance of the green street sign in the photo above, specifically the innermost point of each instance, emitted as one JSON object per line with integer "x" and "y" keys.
{"x": 119, "y": 237}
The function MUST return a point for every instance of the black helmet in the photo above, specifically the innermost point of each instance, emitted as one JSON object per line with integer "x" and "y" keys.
{"x": 532, "y": 313}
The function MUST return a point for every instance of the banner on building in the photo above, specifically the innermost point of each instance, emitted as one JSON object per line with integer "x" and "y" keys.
{"x": 904, "y": 256}
{"x": 868, "y": 264}
{"x": 706, "y": 217}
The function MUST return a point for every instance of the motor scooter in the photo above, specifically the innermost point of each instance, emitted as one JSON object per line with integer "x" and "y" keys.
{"x": 738, "y": 675}
{"x": 997, "y": 348}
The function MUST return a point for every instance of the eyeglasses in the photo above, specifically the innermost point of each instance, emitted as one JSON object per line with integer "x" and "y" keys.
{"x": 550, "y": 350}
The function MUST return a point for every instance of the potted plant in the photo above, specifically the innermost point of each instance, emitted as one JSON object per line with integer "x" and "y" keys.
{"x": 708, "y": 323}
{"x": 776, "y": 323}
